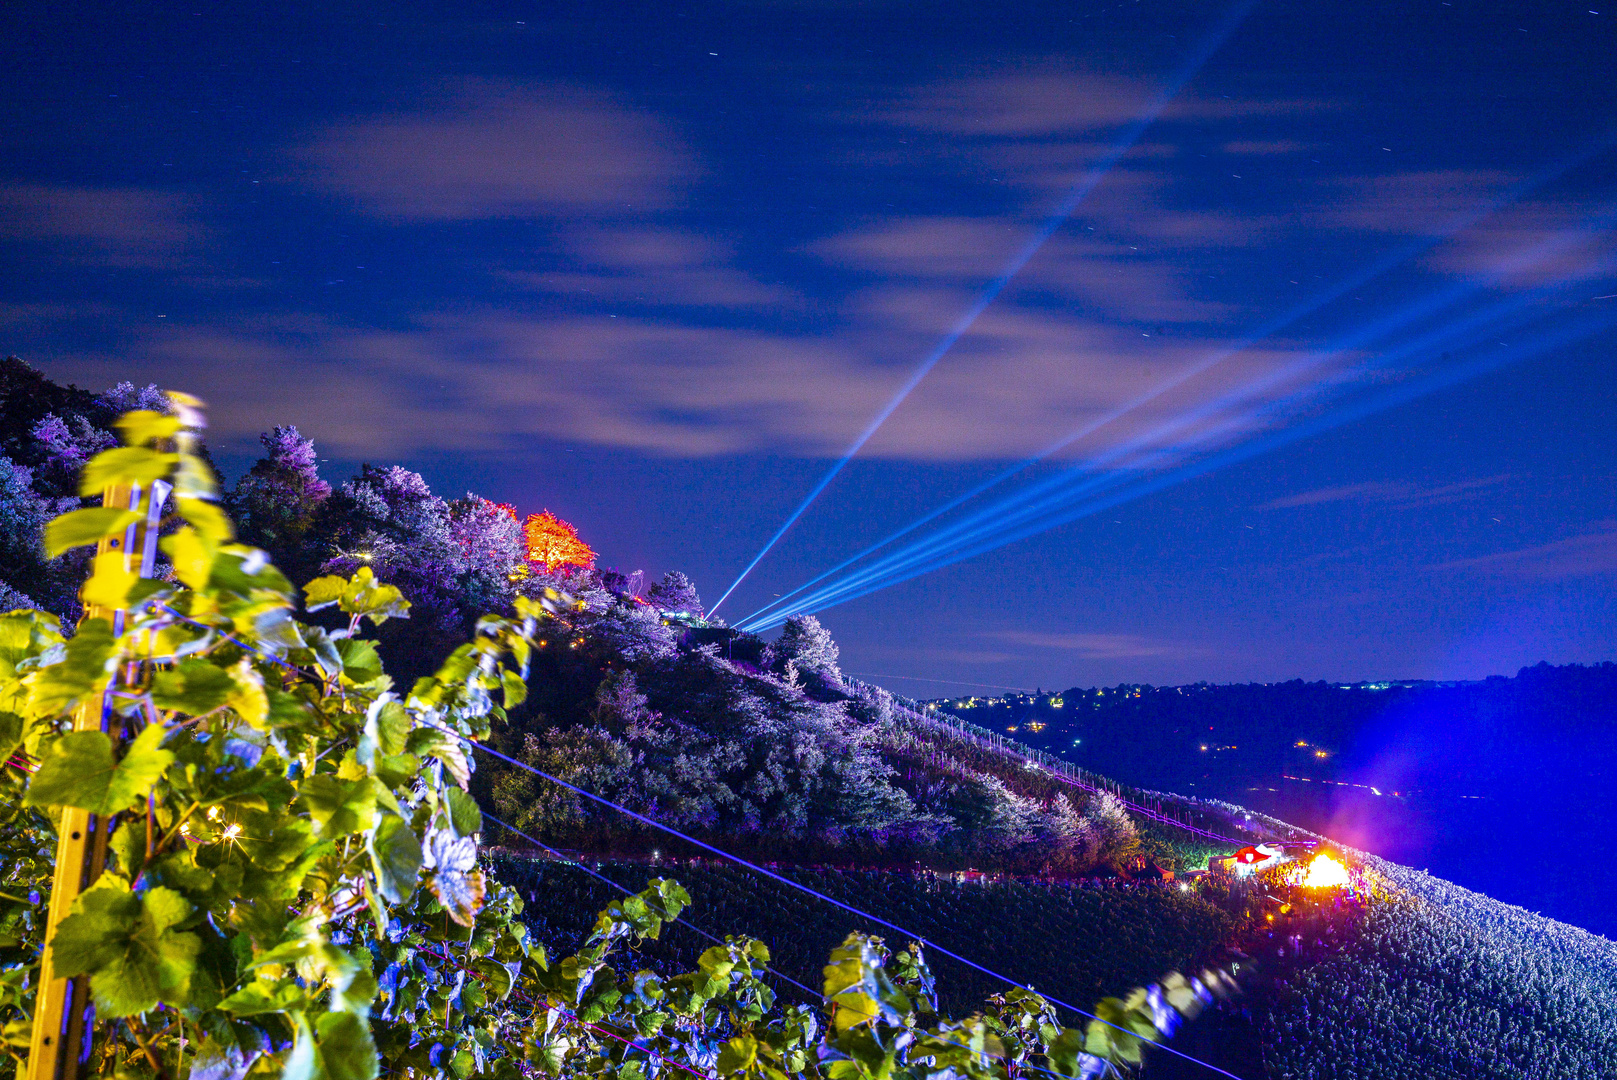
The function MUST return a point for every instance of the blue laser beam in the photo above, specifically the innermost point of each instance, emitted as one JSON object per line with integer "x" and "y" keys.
{"x": 1005, "y": 514}
{"x": 1087, "y": 183}
{"x": 1493, "y": 358}
{"x": 1029, "y": 504}
{"x": 1497, "y": 357}
{"x": 1547, "y": 249}
{"x": 998, "y": 522}
{"x": 1393, "y": 260}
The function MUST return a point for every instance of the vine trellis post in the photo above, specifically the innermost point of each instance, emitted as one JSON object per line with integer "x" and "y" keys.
{"x": 63, "y": 1012}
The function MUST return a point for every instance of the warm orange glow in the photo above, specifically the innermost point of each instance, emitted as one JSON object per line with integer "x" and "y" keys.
{"x": 1325, "y": 873}
{"x": 553, "y": 543}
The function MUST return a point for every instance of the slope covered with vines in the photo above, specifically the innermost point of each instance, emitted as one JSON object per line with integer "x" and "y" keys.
{"x": 1078, "y": 942}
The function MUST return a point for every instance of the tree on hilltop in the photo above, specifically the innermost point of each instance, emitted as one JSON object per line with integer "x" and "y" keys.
{"x": 279, "y": 499}
{"x": 675, "y": 592}
{"x": 809, "y": 648}
{"x": 553, "y": 543}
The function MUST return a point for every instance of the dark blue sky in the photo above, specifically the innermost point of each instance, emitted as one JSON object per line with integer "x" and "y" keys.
{"x": 654, "y": 267}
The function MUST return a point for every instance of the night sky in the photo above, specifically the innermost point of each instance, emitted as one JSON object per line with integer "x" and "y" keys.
{"x": 655, "y": 267}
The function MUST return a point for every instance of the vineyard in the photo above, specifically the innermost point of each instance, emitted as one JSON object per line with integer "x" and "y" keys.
{"x": 1437, "y": 981}
{"x": 1079, "y": 943}
{"x": 285, "y": 878}
{"x": 293, "y": 860}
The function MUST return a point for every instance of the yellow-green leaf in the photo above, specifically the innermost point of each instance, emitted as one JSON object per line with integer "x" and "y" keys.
{"x": 249, "y": 700}
{"x": 82, "y": 770}
{"x": 79, "y": 527}
{"x": 206, "y": 518}
{"x": 125, "y": 465}
{"x": 142, "y": 426}
{"x": 192, "y": 555}
{"x": 110, "y": 580}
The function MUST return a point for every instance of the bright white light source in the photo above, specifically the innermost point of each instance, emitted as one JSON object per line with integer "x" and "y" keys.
{"x": 1325, "y": 873}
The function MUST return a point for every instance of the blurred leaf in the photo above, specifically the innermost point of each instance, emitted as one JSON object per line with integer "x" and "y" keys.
{"x": 79, "y": 527}
{"x": 396, "y": 856}
{"x": 192, "y": 556}
{"x": 192, "y": 687}
{"x": 125, "y": 465}
{"x": 142, "y": 426}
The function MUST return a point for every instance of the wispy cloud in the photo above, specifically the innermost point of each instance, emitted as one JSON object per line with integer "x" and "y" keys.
{"x": 118, "y": 227}
{"x": 1099, "y": 646}
{"x": 498, "y": 151}
{"x": 1388, "y": 492}
{"x": 1571, "y": 557}
{"x": 650, "y": 266}
{"x": 475, "y": 379}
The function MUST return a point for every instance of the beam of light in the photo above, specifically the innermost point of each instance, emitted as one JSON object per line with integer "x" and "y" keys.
{"x": 1050, "y": 490}
{"x": 1491, "y": 359}
{"x": 1000, "y": 526}
{"x": 1455, "y": 225}
{"x": 1006, "y": 515}
{"x": 1087, "y": 183}
{"x": 1057, "y": 491}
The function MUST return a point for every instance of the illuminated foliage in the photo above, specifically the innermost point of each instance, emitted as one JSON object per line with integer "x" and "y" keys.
{"x": 292, "y": 885}
{"x": 553, "y": 544}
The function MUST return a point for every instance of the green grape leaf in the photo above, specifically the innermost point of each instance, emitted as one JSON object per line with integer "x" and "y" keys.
{"x": 110, "y": 581}
{"x": 496, "y": 976}
{"x": 102, "y": 915}
{"x": 432, "y": 742}
{"x": 128, "y": 842}
{"x": 303, "y": 1063}
{"x": 248, "y": 696}
{"x": 82, "y": 771}
{"x": 125, "y": 465}
{"x": 737, "y": 1055}
{"x": 141, "y": 426}
{"x": 322, "y": 592}
{"x": 339, "y": 807}
{"x": 79, "y": 527}
{"x": 265, "y": 996}
{"x": 192, "y": 556}
{"x": 359, "y": 660}
{"x": 393, "y": 728}
{"x": 274, "y": 842}
{"x": 464, "y": 813}
{"x": 516, "y": 691}
{"x": 208, "y": 520}
{"x": 82, "y": 666}
{"x": 128, "y": 946}
{"x": 192, "y": 687}
{"x": 11, "y": 732}
{"x": 396, "y": 855}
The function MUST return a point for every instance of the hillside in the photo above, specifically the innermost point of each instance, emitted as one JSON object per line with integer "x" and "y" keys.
{"x": 982, "y": 845}
{"x": 1493, "y": 783}
{"x": 1427, "y": 979}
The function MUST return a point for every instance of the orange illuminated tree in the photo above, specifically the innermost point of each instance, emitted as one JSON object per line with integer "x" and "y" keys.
{"x": 553, "y": 544}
